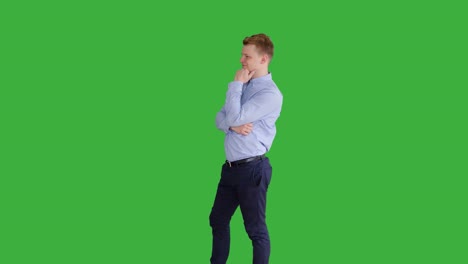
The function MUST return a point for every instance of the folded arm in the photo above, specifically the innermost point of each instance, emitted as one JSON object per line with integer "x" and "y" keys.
{"x": 259, "y": 106}
{"x": 244, "y": 129}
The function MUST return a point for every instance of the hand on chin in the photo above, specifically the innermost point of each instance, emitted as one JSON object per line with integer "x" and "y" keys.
{"x": 247, "y": 68}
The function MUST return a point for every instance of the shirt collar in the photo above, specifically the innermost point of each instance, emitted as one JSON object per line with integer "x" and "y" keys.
{"x": 262, "y": 78}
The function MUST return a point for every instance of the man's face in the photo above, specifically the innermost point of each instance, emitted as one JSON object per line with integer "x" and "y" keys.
{"x": 250, "y": 58}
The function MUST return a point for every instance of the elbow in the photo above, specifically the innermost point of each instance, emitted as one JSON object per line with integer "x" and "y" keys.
{"x": 219, "y": 127}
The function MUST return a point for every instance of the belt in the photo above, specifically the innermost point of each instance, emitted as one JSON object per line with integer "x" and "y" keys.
{"x": 244, "y": 161}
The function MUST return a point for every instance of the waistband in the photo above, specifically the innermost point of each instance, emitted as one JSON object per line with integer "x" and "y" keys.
{"x": 244, "y": 161}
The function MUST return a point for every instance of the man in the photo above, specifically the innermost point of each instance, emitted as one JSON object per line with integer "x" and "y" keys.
{"x": 253, "y": 104}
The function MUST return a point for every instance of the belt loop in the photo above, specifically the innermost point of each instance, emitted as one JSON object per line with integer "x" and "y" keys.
{"x": 229, "y": 163}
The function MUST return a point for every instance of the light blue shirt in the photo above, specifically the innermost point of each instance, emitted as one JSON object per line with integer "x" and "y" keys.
{"x": 259, "y": 102}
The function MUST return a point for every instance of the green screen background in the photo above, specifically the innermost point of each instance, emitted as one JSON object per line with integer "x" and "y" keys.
{"x": 110, "y": 154}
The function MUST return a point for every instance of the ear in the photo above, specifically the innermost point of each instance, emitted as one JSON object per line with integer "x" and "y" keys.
{"x": 264, "y": 59}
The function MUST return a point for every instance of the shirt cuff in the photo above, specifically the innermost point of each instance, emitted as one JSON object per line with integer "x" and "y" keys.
{"x": 235, "y": 85}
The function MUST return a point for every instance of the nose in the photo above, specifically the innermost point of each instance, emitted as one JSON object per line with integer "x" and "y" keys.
{"x": 242, "y": 59}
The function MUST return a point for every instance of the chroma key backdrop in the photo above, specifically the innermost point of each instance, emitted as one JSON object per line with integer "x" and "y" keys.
{"x": 110, "y": 154}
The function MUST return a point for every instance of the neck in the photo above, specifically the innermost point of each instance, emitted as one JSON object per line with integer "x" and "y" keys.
{"x": 260, "y": 73}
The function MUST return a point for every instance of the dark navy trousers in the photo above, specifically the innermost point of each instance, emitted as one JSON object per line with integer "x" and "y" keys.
{"x": 245, "y": 186}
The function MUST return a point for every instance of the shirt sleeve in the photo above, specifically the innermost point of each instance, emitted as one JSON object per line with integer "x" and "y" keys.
{"x": 260, "y": 105}
{"x": 221, "y": 121}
